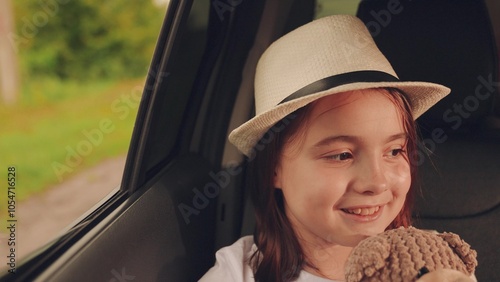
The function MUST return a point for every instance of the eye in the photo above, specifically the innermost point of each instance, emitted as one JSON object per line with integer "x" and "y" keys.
{"x": 396, "y": 152}
{"x": 424, "y": 270}
{"x": 344, "y": 156}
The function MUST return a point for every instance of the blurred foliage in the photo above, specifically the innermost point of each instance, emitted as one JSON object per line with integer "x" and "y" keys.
{"x": 339, "y": 7}
{"x": 80, "y": 60}
{"x": 41, "y": 132}
{"x": 86, "y": 39}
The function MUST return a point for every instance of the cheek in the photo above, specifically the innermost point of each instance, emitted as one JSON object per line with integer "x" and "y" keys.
{"x": 399, "y": 177}
{"x": 314, "y": 189}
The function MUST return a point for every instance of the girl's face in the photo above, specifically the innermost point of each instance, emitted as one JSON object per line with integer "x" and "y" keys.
{"x": 345, "y": 175}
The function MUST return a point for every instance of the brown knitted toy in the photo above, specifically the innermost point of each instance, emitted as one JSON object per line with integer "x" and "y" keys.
{"x": 405, "y": 254}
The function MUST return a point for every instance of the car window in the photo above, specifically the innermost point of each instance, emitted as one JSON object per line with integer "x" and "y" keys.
{"x": 75, "y": 75}
{"x": 328, "y": 7}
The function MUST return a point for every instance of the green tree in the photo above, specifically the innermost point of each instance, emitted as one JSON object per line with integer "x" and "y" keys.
{"x": 86, "y": 39}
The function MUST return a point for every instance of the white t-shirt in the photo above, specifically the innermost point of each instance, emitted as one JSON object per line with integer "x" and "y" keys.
{"x": 232, "y": 264}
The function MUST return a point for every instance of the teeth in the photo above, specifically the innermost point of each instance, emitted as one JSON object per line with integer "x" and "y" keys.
{"x": 363, "y": 211}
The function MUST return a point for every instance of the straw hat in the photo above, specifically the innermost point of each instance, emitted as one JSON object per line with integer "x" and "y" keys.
{"x": 327, "y": 56}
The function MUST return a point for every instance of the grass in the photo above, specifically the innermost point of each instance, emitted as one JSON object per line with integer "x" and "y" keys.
{"x": 60, "y": 128}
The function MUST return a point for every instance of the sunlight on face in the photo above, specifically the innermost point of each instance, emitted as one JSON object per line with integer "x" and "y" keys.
{"x": 347, "y": 175}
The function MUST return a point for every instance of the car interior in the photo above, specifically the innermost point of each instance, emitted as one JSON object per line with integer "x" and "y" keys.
{"x": 183, "y": 192}
{"x": 459, "y": 176}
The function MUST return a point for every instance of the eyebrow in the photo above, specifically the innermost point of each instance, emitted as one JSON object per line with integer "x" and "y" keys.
{"x": 353, "y": 139}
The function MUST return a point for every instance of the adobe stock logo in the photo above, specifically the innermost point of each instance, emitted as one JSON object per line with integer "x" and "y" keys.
{"x": 94, "y": 137}
{"x": 201, "y": 199}
{"x": 381, "y": 19}
{"x": 456, "y": 115}
{"x": 121, "y": 276}
{"x": 31, "y": 25}
{"x": 221, "y": 7}
{"x": 222, "y": 179}
{"x": 471, "y": 103}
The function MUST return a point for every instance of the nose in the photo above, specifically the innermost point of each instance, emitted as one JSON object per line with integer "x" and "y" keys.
{"x": 370, "y": 178}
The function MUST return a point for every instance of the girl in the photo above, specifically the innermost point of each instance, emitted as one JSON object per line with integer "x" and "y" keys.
{"x": 330, "y": 153}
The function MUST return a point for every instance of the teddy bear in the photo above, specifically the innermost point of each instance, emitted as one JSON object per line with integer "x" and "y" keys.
{"x": 411, "y": 254}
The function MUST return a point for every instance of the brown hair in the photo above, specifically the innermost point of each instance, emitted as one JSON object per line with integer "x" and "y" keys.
{"x": 280, "y": 256}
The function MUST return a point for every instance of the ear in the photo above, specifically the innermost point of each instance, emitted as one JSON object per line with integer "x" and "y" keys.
{"x": 462, "y": 249}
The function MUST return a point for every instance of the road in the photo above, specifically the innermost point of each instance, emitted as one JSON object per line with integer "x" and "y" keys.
{"x": 43, "y": 217}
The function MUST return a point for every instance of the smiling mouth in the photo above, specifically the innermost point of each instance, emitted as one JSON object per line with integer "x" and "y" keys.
{"x": 362, "y": 211}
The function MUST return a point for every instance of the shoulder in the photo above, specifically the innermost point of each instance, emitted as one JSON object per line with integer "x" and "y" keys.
{"x": 232, "y": 262}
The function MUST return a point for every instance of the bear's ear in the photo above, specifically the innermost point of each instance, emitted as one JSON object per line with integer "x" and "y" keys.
{"x": 368, "y": 259}
{"x": 462, "y": 249}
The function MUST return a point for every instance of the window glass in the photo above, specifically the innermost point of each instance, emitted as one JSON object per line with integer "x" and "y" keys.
{"x": 339, "y": 7}
{"x": 71, "y": 76}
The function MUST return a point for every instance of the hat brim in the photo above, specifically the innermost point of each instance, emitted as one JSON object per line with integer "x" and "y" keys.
{"x": 421, "y": 96}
